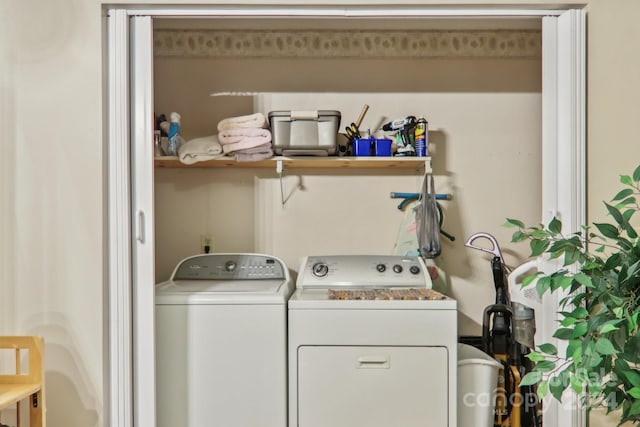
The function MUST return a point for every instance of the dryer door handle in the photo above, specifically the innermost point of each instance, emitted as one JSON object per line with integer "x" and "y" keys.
{"x": 373, "y": 362}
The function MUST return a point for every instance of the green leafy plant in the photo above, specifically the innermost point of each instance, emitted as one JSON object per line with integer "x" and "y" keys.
{"x": 600, "y": 278}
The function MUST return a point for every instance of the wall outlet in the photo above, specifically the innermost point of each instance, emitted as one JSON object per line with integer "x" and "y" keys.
{"x": 206, "y": 244}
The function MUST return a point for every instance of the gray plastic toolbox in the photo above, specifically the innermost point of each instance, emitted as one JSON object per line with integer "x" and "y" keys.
{"x": 306, "y": 133}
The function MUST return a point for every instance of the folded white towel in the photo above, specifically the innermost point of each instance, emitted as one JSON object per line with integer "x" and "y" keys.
{"x": 200, "y": 149}
{"x": 264, "y": 148}
{"x": 242, "y": 138}
{"x": 253, "y": 157}
{"x": 254, "y": 154}
{"x": 256, "y": 120}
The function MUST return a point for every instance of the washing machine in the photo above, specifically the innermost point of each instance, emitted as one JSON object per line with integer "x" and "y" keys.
{"x": 371, "y": 344}
{"x": 221, "y": 342}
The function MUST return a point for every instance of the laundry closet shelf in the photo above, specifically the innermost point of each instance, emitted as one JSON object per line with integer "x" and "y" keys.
{"x": 305, "y": 162}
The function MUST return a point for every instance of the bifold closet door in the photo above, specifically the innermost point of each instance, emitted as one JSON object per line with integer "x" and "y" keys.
{"x": 141, "y": 60}
{"x": 564, "y": 164}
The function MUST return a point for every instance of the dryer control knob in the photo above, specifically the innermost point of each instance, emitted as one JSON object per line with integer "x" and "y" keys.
{"x": 414, "y": 269}
{"x": 320, "y": 269}
{"x": 397, "y": 268}
{"x": 230, "y": 266}
{"x": 381, "y": 268}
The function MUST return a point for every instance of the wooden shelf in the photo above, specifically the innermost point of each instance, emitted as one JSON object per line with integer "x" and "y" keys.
{"x": 14, "y": 388}
{"x": 12, "y": 393}
{"x": 306, "y": 162}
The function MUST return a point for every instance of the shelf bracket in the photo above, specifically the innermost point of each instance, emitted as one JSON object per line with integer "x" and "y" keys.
{"x": 280, "y": 172}
{"x": 427, "y": 166}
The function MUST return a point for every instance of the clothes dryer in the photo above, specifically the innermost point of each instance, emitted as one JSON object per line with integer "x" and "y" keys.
{"x": 221, "y": 342}
{"x": 371, "y": 344}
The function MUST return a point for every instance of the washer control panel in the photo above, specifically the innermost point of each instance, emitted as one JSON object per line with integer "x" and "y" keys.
{"x": 363, "y": 271}
{"x": 229, "y": 267}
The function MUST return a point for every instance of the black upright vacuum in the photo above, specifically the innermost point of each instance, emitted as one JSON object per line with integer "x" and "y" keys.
{"x": 509, "y": 345}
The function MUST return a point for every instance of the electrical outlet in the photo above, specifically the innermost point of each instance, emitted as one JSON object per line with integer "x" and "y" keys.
{"x": 206, "y": 243}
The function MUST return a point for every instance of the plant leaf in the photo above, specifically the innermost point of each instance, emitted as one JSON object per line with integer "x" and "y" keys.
{"x": 608, "y": 327}
{"x": 538, "y": 233}
{"x": 535, "y": 357}
{"x": 605, "y": 347}
{"x": 633, "y": 377}
{"x": 544, "y": 366}
{"x": 574, "y": 345}
{"x": 514, "y": 223}
{"x": 555, "y": 226}
{"x": 543, "y": 389}
{"x": 613, "y": 261}
{"x": 558, "y": 384}
{"x": 607, "y": 230}
{"x": 538, "y": 246}
{"x": 580, "y": 329}
{"x": 636, "y": 174}
{"x": 548, "y": 348}
{"x": 580, "y": 313}
{"x": 584, "y": 280}
{"x": 529, "y": 279}
{"x": 626, "y": 180}
{"x": 615, "y": 213}
{"x": 571, "y": 256}
{"x": 635, "y": 408}
{"x": 634, "y": 392}
{"x": 576, "y": 383}
{"x": 622, "y": 194}
{"x": 564, "y": 333}
{"x": 518, "y": 236}
{"x": 631, "y": 232}
{"x": 531, "y": 378}
{"x": 543, "y": 285}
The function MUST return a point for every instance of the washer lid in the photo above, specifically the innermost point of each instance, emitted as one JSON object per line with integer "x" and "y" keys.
{"x": 223, "y": 292}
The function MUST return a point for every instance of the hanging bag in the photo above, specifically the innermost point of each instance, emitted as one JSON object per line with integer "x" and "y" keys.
{"x": 428, "y": 220}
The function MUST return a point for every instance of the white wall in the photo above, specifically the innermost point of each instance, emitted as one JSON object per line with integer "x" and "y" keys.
{"x": 52, "y": 197}
{"x": 486, "y": 155}
{"x": 52, "y": 209}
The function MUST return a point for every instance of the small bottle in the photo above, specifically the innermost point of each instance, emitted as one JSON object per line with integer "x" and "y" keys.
{"x": 175, "y": 139}
{"x": 157, "y": 144}
{"x": 421, "y": 137}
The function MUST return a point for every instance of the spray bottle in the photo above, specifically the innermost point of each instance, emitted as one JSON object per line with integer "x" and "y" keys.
{"x": 175, "y": 139}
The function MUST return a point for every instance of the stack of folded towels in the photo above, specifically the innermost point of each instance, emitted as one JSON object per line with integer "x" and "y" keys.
{"x": 246, "y": 137}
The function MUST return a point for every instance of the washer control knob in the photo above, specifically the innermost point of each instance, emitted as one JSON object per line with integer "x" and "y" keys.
{"x": 230, "y": 266}
{"x": 414, "y": 269}
{"x": 320, "y": 269}
{"x": 397, "y": 268}
{"x": 381, "y": 268}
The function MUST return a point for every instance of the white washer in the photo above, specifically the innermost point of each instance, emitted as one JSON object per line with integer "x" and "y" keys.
{"x": 370, "y": 362}
{"x": 221, "y": 342}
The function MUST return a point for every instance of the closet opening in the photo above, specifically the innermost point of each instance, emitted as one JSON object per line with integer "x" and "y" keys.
{"x": 489, "y": 86}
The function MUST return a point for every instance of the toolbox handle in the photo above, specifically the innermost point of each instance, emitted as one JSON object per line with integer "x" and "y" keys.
{"x": 304, "y": 115}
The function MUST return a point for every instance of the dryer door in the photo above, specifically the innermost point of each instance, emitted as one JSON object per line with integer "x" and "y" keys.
{"x": 345, "y": 386}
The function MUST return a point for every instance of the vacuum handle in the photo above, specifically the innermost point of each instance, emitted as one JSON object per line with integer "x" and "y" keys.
{"x": 500, "y": 281}
{"x": 502, "y": 309}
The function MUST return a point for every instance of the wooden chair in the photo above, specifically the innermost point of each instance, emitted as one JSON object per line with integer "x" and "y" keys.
{"x": 19, "y": 386}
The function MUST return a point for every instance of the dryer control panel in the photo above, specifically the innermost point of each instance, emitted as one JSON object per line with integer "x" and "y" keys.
{"x": 363, "y": 271}
{"x": 229, "y": 267}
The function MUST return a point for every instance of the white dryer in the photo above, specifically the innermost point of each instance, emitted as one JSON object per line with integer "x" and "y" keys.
{"x": 221, "y": 346}
{"x": 370, "y": 344}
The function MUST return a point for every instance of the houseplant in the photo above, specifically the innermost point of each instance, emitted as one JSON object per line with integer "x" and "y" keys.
{"x": 600, "y": 276}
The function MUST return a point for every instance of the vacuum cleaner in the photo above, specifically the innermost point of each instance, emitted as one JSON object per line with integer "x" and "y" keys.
{"x": 508, "y": 328}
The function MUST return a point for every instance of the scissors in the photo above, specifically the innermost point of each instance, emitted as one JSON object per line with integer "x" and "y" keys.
{"x": 352, "y": 132}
